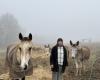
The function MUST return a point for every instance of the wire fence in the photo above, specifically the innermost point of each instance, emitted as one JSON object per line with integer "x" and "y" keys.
{"x": 92, "y": 73}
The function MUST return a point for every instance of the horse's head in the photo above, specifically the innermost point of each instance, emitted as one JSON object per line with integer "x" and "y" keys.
{"x": 74, "y": 49}
{"x": 24, "y": 51}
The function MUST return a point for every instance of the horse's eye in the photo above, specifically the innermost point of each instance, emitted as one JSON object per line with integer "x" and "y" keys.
{"x": 30, "y": 48}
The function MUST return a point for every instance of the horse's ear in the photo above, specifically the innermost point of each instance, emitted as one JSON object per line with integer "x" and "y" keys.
{"x": 20, "y": 36}
{"x": 30, "y": 36}
{"x": 77, "y": 43}
{"x": 71, "y": 43}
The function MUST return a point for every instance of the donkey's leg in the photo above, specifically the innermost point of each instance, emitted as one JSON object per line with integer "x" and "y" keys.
{"x": 84, "y": 66}
{"x": 80, "y": 68}
{"x": 23, "y": 78}
{"x": 77, "y": 68}
{"x": 80, "y": 71}
{"x": 77, "y": 72}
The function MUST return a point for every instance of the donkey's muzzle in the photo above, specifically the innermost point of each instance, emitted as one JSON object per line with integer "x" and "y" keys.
{"x": 25, "y": 68}
{"x": 73, "y": 57}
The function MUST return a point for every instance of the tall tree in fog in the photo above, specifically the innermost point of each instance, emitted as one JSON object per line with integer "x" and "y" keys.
{"x": 9, "y": 29}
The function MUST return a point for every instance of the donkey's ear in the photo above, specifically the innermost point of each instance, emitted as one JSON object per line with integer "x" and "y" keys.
{"x": 20, "y": 36}
{"x": 30, "y": 36}
{"x": 71, "y": 43}
{"x": 77, "y": 43}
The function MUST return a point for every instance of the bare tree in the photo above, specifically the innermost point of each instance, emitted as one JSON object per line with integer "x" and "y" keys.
{"x": 9, "y": 29}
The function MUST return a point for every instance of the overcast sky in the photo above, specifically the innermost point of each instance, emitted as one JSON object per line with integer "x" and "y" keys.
{"x": 50, "y": 19}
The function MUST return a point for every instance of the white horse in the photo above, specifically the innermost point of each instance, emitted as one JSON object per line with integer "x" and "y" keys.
{"x": 18, "y": 58}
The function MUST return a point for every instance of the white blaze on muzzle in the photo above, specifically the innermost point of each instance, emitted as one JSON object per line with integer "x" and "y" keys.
{"x": 25, "y": 58}
{"x": 23, "y": 62}
{"x": 74, "y": 52}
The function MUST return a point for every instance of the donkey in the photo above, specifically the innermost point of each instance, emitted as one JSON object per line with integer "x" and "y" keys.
{"x": 18, "y": 58}
{"x": 47, "y": 49}
{"x": 80, "y": 55}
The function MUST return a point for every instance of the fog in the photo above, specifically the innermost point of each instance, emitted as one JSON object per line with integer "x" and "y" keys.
{"x": 49, "y": 19}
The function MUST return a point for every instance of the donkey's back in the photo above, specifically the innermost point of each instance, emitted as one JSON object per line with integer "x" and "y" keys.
{"x": 85, "y": 51}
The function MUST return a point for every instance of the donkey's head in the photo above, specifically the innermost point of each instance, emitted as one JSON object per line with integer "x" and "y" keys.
{"x": 24, "y": 51}
{"x": 74, "y": 50}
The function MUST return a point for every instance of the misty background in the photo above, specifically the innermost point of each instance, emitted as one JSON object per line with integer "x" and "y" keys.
{"x": 49, "y": 19}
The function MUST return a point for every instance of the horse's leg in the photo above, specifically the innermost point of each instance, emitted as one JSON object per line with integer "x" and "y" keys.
{"x": 23, "y": 78}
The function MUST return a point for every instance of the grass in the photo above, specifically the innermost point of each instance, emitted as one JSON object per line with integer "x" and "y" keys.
{"x": 42, "y": 69}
